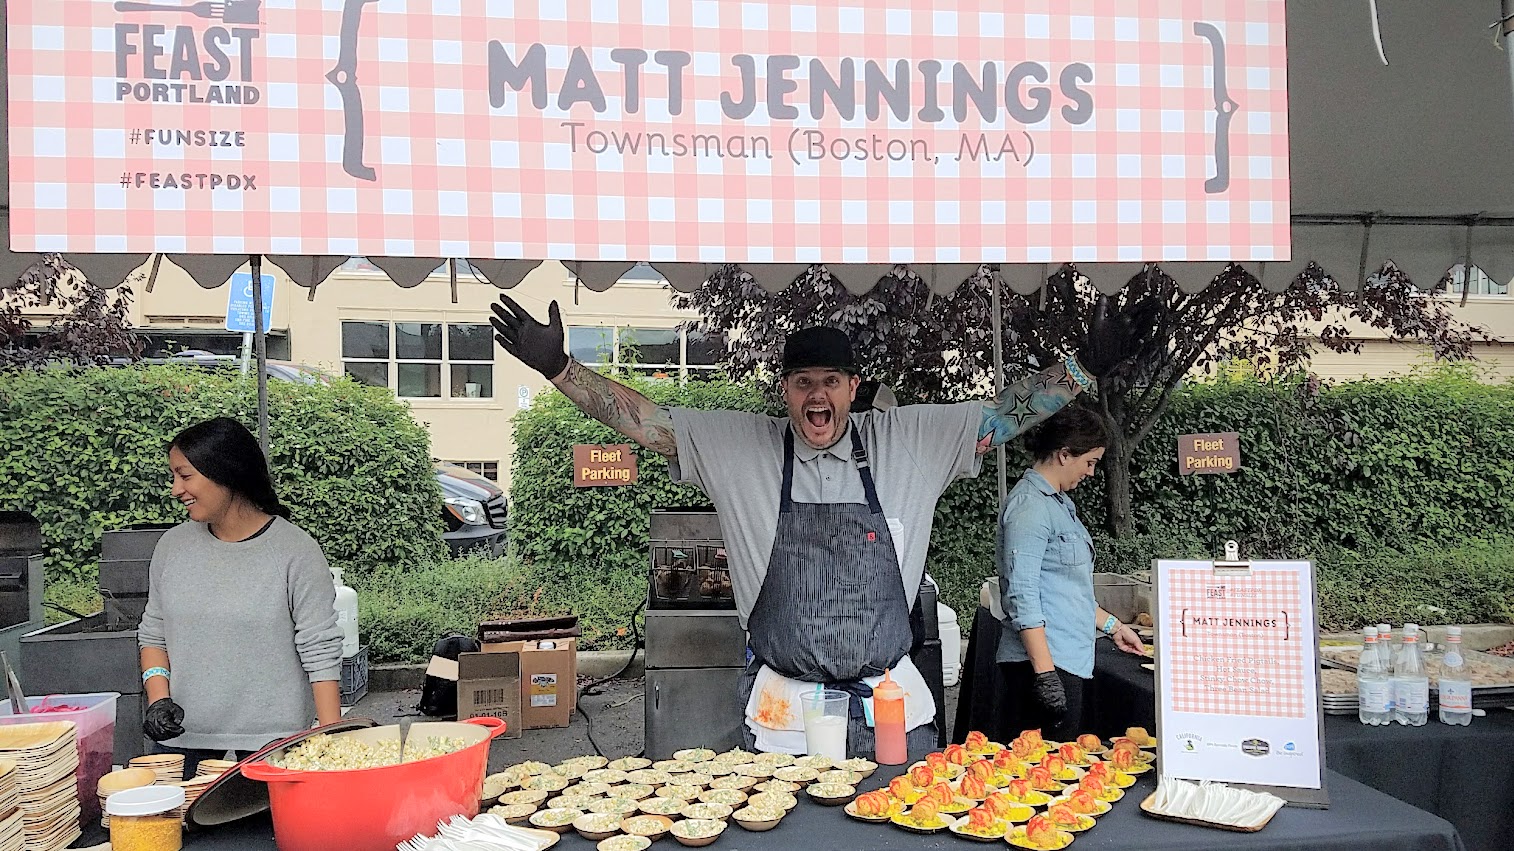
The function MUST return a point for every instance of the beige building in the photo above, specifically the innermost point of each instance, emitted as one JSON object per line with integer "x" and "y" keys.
{"x": 440, "y": 358}
{"x": 1489, "y": 306}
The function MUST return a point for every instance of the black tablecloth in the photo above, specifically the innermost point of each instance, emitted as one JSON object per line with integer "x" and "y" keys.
{"x": 1462, "y": 774}
{"x": 1360, "y": 819}
{"x": 1116, "y": 698}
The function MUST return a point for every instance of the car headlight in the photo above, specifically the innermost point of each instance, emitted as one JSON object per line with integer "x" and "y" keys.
{"x": 470, "y": 511}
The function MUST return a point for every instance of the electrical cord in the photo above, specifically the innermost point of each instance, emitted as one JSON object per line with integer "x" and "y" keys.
{"x": 65, "y": 610}
{"x": 592, "y": 687}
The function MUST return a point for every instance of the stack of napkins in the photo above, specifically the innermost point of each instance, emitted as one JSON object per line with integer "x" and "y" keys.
{"x": 1215, "y": 803}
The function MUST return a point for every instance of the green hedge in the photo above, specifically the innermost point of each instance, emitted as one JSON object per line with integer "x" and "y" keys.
{"x": 1405, "y": 469}
{"x": 585, "y": 549}
{"x": 85, "y": 452}
{"x": 1471, "y": 582}
{"x": 1397, "y": 463}
{"x": 403, "y": 609}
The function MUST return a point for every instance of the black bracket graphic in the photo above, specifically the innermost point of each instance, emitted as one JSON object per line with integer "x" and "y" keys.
{"x": 344, "y": 77}
{"x": 1224, "y": 109}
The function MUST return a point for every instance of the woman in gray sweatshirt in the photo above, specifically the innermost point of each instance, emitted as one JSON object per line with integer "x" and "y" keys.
{"x": 239, "y": 643}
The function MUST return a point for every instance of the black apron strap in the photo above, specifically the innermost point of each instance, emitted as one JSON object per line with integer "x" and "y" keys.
{"x": 859, "y": 455}
{"x": 786, "y": 500}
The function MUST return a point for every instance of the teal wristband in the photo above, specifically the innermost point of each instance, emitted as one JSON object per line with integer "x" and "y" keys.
{"x": 1109, "y": 625}
{"x": 156, "y": 672}
{"x": 1075, "y": 371}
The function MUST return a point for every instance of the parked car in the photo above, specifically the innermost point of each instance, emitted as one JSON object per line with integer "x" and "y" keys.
{"x": 474, "y": 510}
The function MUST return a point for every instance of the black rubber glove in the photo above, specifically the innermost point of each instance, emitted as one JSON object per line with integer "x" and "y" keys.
{"x": 1113, "y": 339}
{"x": 164, "y": 720}
{"x": 1049, "y": 693}
{"x": 530, "y": 342}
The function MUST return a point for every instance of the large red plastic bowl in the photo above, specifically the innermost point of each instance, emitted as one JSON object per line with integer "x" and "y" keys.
{"x": 375, "y": 809}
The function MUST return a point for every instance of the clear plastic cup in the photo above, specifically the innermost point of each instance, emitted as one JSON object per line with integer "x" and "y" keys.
{"x": 825, "y": 720}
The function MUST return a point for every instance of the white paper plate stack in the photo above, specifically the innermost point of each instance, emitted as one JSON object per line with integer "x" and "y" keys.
{"x": 12, "y": 838}
{"x": 13, "y": 832}
{"x": 46, "y": 760}
{"x": 169, "y": 767}
{"x": 214, "y": 767}
{"x": 117, "y": 781}
{"x": 192, "y": 789}
{"x": 10, "y": 795}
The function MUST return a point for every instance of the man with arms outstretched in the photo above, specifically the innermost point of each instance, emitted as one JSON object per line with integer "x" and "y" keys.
{"x": 826, "y": 514}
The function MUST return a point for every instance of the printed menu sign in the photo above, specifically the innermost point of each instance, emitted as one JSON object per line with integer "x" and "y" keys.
{"x": 1237, "y": 669}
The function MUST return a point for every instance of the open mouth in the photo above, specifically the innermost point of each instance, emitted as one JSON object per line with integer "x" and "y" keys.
{"x": 818, "y": 416}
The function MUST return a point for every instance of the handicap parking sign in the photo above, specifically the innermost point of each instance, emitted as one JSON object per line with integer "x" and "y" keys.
{"x": 239, "y": 303}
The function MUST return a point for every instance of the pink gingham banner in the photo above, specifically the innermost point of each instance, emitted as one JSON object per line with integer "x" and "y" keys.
{"x": 664, "y": 130}
{"x": 1236, "y": 644}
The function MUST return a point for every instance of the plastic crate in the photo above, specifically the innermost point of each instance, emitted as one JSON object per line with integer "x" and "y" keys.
{"x": 94, "y": 734}
{"x": 355, "y": 676}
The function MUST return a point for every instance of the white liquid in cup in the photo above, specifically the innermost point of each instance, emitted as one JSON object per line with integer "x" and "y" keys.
{"x": 825, "y": 735}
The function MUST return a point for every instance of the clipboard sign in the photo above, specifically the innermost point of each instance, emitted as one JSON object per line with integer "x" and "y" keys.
{"x": 1237, "y": 675}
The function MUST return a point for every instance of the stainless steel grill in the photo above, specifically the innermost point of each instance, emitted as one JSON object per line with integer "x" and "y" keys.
{"x": 688, "y": 567}
{"x": 20, "y": 580}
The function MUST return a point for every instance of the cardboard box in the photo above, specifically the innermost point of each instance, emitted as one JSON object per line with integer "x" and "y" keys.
{"x": 489, "y": 685}
{"x": 548, "y": 680}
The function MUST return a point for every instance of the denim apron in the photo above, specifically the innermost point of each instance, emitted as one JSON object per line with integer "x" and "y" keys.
{"x": 832, "y": 607}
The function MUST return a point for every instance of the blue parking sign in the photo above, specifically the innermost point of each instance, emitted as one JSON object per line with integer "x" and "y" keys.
{"x": 239, "y": 303}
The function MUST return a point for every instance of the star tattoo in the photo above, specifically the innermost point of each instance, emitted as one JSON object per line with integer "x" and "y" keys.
{"x": 1023, "y": 410}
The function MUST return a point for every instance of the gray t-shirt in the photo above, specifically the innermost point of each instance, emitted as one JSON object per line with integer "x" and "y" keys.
{"x": 737, "y": 460}
{"x": 248, "y": 626}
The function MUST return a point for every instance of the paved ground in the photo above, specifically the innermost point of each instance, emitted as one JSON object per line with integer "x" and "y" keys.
{"x": 616, "y": 712}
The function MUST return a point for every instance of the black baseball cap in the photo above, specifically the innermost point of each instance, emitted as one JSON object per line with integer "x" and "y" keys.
{"x": 818, "y": 348}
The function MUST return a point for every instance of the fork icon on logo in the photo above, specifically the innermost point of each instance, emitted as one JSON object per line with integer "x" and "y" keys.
{"x": 230, "y": 11}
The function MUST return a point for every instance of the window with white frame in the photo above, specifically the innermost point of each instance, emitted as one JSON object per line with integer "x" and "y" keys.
{"x": 421, "y": 360}
{"x": 487, "y": 469}
{"x": 658, "y": 352}
{"x": 1481, "y": 283}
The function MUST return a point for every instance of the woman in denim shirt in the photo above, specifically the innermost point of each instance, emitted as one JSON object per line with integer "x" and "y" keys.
{"x": 1045, "y": 562}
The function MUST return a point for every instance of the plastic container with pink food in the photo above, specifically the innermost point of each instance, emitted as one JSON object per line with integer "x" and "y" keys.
{"x": 94, "y": 718}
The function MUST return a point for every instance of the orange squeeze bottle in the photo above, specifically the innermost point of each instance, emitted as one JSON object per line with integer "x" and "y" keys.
{"x": 888, "y": 722}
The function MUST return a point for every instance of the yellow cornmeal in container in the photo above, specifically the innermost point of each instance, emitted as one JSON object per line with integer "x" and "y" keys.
{"x": 146, "y": 819}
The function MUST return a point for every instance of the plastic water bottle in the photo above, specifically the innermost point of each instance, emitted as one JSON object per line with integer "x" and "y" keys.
{"x": 1385, "y": 647}
{"x": 1455, "y": 687}
{"x": 1411, "y": 684}
{"x": 1372, "y": 684}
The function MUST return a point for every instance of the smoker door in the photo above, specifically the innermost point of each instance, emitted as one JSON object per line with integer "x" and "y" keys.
{"x": 694, "y": 638}
{"x": 691, "y": 708}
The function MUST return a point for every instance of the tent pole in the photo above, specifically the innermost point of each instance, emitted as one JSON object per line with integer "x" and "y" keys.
{"x": 260, "y": 349}
{"x": 997, "y": 321}
{"x": 1507, "y": 29}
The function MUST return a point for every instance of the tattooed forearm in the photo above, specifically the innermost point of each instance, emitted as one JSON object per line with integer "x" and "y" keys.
{"x": 1030, "y": 401}
{"x": 620, "y": 408}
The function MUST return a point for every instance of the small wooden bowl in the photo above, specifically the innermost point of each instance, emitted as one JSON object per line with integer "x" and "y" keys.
{"x": 638, "y": 826}
{"x": 700, "y": 841}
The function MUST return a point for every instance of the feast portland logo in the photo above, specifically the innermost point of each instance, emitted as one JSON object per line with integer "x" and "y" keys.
{"x": 198, "y": 52}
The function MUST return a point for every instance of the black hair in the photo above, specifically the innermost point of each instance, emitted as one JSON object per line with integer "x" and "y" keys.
{"x": 1077, "y": 428}
{"x": 224, "y": 451}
